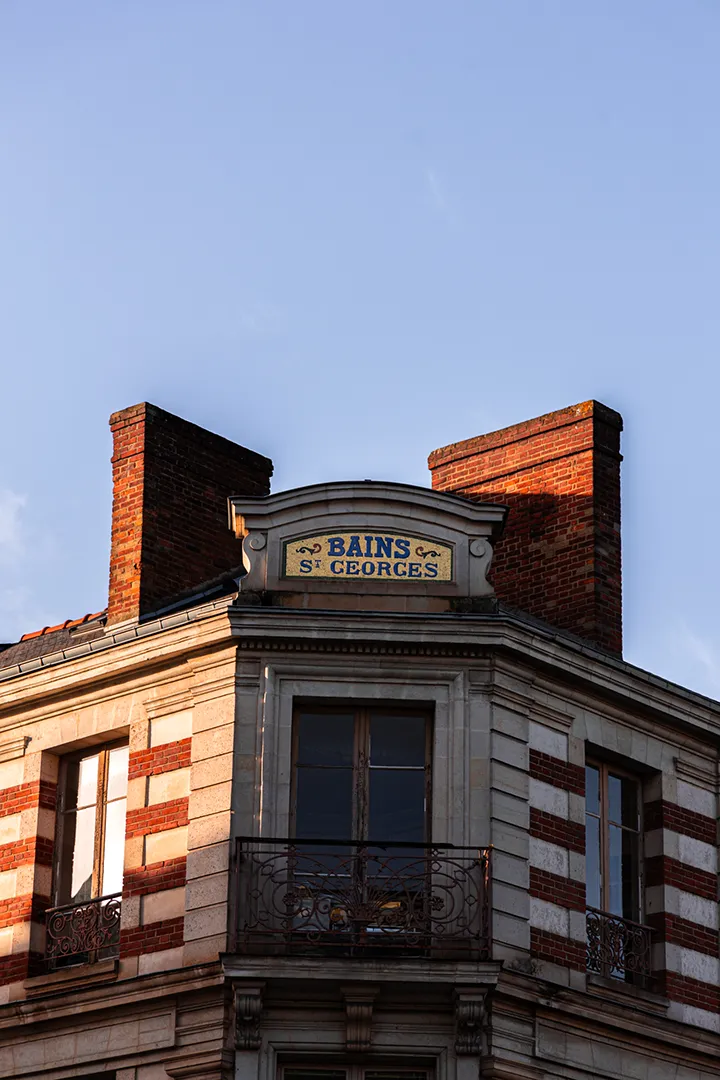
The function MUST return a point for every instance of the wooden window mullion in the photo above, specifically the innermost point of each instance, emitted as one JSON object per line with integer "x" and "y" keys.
{"x": 100, "y": 810}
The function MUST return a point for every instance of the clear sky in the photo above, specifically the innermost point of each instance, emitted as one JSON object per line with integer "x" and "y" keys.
{"x": 344, "y": 234}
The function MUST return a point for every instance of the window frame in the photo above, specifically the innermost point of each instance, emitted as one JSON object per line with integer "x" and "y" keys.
{"x": 62, "y": 869}
{"x": 361, "y": 768}
{"x": 356, "y": 1069}
{"x": 604, "y": 768}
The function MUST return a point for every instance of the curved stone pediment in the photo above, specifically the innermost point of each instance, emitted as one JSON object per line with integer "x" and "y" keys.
{"x": 366, "y": 537}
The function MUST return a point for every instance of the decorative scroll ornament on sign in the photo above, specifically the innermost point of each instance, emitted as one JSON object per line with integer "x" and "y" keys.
{"x": 369, "y": 556}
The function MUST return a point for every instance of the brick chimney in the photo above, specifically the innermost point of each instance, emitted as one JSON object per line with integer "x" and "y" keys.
{"x": 171, "y": 482}
{"x": 559, "y": 558}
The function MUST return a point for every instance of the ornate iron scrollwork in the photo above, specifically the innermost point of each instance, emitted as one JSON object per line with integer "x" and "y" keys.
{"x": 361, "y": 899}
{"x": 618, "y": 948}
{"x": 83, "y": 932}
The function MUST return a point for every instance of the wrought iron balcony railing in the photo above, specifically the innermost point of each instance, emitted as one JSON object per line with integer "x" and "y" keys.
{"x": 360, "y": 899}
{"x": 618, "y": 948}
{"x": 83, "y": 933}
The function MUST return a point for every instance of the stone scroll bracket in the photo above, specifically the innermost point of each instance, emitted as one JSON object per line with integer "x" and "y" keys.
{"x": 471, "y": 1021}
{"x": 359, "y": 1002}
{"x": 481, "y": 553}
{"x": 248, "y": 1011}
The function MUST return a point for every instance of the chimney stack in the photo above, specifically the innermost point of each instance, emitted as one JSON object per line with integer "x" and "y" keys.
{"x": 171, "y": 482}
{"x": 559, "y": 558}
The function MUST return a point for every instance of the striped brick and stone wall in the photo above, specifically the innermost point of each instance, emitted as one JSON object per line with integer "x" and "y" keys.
{"x": 28, "y": 799}
{"x": 681, "y": 897}
{"x": 557, "y": 849}
{"x": 153, "y": 902}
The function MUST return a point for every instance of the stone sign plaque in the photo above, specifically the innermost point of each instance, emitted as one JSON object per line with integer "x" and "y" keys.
{"x": 370, "y": 555}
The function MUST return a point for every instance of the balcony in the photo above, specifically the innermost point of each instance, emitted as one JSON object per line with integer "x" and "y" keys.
{"x": 618, "y": 948}
{"x": 83, "y": 933}
{"x": 362, "y": 899}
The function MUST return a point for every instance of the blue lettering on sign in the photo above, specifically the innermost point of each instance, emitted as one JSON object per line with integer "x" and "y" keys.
{"x": 305, "y": 566}
{"x": 352, "y": 567}
{"x": 368, "y": 568}
{"x": 334, "y": 567}
{"x": 414, "y": 569}
{"x": 336, "y": 545}
{"x": 383, "y": 568}
{"x": 402, "y": 549}
{"x": 383, "y": 547}
{"x": 368, "y": 547}
{"x": 431, "y": 569}
{"x": 398, "y": 567}
{"x": 354, "y": 547}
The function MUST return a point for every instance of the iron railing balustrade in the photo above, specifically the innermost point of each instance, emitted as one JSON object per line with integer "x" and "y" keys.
{"x": 619, "y": 948}
{"x": 361, "y": 898}
{"x": 83, "y": 932}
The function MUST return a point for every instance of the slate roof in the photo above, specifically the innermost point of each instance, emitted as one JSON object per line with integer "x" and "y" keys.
{"x": 52, "y": 639}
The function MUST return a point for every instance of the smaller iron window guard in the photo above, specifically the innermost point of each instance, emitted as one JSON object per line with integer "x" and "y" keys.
{"x": 619, "y": 948}
{"x": 83, "y": 933}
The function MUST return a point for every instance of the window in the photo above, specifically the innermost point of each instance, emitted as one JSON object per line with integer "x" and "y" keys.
{"x": 612, "y": 841}
{"x": 618, "y": 945}
{"x": 91, "y": 825}
{"x": 361, "y": 774}
{"x": 84, "y": 924}
{"x": 352, "y": 1072}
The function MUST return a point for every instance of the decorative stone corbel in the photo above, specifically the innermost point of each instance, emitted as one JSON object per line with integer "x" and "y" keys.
{"x": 255, "y": 561}
{"x": 470, "y": 1020}
{"x": 248, "y": 1009}
{"x": 481, "y": 553}
{"x": 359, "y": 1001}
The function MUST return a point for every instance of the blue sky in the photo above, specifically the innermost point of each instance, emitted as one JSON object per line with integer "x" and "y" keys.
{"x": 346, "y": 234}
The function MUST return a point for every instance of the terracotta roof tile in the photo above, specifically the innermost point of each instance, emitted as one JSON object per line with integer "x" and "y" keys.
{"x": 67, "y": 625}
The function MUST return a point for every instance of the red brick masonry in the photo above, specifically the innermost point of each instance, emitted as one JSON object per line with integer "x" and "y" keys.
{"x": 37, "y": 849}
{"x": 662, "y": 870}
{"x": 159, "y": 759}
{"x": 560, "y": 774}
{"x": 28, "y": 796}
{"x": 557, "y": 890}
{"x": 155, "y": 877}
{"x": 680, "y": 931}
{"x": 666, "y": 815}
{"x": 153, "y": 937}
{"x": 558, "y": 950}
{"x": 556, "y": 830}
{"x": 157, "y": 818}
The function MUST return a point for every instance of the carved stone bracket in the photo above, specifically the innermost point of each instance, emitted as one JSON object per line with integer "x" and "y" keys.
{"x": 359, "y": 1001}
{"x": 470, "y": 1021}
{"x": 248, "y": 1010}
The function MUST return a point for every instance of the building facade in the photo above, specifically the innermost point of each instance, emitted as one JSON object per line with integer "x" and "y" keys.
{"x": 352, "y": 782}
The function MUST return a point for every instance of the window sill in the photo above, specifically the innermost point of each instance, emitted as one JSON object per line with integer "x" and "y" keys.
{"x": 72, "y": 978}
{"x": 622, "y": 993}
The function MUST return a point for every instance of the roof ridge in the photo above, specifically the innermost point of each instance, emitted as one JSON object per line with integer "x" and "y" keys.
{"x": 67, "y": 625}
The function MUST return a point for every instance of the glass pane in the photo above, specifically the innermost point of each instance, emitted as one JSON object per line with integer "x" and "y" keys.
{"x": 83, "y": 850}
{"x": 324, "y": 804}
{"x": 623, "y": 801}
{"x": 397, "y": 805}
{"x": 593, "y": 887}
{"x": 592, "y": 790}
{"x": 623, "y": 873}
{"x": 397, "y": 740}
{"x": 325, "y": 739}
{"x": 630, "y": 882}
{"x": 112, "y": 875}
{"x": 88, "y": 780}
{"x": 117, "y": 773}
